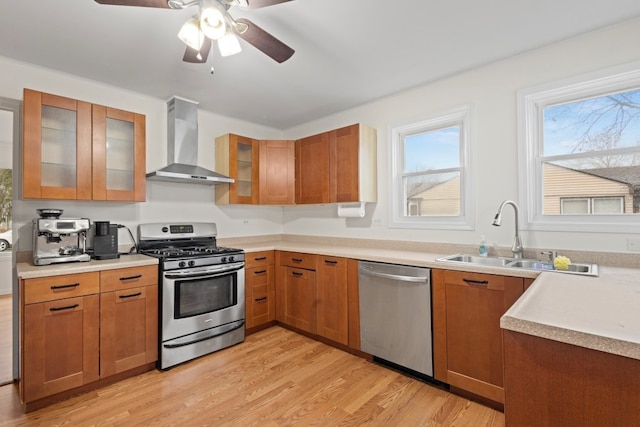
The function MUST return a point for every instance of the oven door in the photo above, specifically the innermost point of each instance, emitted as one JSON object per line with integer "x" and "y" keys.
{"x": 201, "y": 298}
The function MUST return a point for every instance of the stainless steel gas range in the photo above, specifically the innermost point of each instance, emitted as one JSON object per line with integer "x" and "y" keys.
{"x": 202, "y": 306}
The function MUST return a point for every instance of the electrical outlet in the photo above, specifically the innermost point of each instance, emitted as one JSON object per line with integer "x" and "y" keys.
{"x": 633, "y": 245}
{"x": 245, "y": 221}
{"x": 377, "y": 222}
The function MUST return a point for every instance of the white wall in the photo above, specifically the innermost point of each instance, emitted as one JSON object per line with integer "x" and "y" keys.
{"x": 165, "y": 201}
{"x": 491, "y": 90}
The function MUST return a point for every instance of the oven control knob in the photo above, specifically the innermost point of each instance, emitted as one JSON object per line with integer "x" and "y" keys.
{"x": 223, "y": 259}
{"x": 192, "y": 263}
{"x": 232, "y": 259}
{"x": 182, "y": 264}
{"x": 165, "y": 229}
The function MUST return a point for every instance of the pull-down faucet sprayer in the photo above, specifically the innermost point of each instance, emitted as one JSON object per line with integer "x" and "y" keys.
{"x": 517, "y": 243}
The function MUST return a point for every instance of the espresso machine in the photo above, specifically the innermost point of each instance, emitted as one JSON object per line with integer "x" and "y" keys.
{"x": 58, "y": 239}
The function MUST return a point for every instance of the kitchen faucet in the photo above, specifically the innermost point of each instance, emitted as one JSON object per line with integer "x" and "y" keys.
{"x": 517, "y": 243}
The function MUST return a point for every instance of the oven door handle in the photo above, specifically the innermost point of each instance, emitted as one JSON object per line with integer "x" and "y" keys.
{"x": 205, "y": 335}
{"x": 210, "y": 271}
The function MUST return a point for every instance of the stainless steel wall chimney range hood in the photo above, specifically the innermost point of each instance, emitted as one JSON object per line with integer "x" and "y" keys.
{"x": 182, "y": 148}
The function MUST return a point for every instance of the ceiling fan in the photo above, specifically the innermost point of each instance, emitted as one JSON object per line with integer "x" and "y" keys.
{"x": 213, "y": 22}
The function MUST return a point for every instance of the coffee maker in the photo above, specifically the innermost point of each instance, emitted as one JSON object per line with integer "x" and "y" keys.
{"x": 58, "y": 239}
{"x": 105, "y": 240}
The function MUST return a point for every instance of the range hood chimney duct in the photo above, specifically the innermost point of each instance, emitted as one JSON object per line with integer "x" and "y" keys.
{"x": 182, "y": 148}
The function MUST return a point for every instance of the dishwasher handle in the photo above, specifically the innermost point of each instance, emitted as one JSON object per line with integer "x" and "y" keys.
{"x": 371, "y": 272}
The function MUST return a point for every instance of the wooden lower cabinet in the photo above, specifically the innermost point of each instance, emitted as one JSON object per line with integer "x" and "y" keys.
{"x": 467, "y": 337}
{"x": 128, "y": 319}
{"x": 78, "y": 329}
{"x": 298, "y": 299}
{"x": 60, "y": 346}
{"x": 550, "y": 383}
{"x": 260, "y": 294}
{"x": 332, "y": 311}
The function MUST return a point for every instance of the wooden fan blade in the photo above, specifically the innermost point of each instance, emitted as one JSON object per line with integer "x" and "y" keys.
{"x": 256, "y": 4}
{"x": 140, "y": 3}
{"x": 191, "y": 55}
{"x": 264, "y": 41}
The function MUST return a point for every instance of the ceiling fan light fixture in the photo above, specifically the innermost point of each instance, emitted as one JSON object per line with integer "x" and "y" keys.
{"x": 191, "y": 35}
{"x": 229, "y": 44}
{"x": 212, "y": 23}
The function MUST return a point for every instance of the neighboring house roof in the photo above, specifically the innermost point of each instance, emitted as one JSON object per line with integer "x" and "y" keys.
{"x": 625, "y": 174}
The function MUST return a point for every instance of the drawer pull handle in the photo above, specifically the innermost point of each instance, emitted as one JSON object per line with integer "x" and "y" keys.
{"x": 262, "y": 258}
{"x": 131, "y": 295}
{"x": 68, "y": 307}
{"x": 260, "y": 272}
{"x": 137, "y": 276}
{"x": 476, "y": 282}
{"x": 261, "y": 299}
{"x": 72, "y": 285}
{"x": 296, "y": 259}
{"x": 297, "y": 273}
{"x": 328, "y": 261}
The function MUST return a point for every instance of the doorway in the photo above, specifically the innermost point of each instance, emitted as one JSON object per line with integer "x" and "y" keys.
{"x": 9, "y": 132}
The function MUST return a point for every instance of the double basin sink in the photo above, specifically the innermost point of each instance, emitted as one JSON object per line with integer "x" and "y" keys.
{"x": 521, "y": 264}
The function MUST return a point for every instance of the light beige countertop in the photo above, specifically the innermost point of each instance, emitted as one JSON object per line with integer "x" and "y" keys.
{"x": 601, "y": 313}
{"x": 29, "y": 271}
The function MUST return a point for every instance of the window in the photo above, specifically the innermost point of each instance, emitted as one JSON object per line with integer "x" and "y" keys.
{"x": 579, "y": 146}
{"x": 431, "y": 185}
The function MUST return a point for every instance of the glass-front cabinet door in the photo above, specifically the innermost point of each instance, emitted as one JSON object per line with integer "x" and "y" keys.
{"x": 75, "y": 150}
{"x": 118, "y": 155}
{"x": 56, "y": 147}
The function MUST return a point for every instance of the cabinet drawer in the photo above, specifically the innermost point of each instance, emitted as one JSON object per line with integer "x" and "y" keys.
{"x": 58, "y": 287}
{"x": 256, "y": 259}
{"x": 125, "y": 278}
{"x": 258, "y": 276}
{"x": 298, "y": 260}
{"x": 487, "y": 281}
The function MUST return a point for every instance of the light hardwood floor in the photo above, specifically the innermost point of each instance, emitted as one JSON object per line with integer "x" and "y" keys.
{"x": 275, "y": 378}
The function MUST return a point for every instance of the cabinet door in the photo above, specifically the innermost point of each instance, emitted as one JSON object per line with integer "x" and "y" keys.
{"x": 344, "y": 171}
{"x": 60, "y": 346}
{"x": 467, "y": 334}
{"x": 260, "y": 295}
{"x": 129, "y": 329}
{"x": 298, "y": 299}
{"x": 56, "y": 147}
{"x": 312, "y": 169}
{"x": 332, "y": 315}
{"x": 237, "y": 157}
{"x": 277, "y": 172}
{"x": 118, "y": 155}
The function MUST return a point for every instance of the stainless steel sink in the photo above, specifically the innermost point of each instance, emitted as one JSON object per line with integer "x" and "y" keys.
{"x": 524, "y": 264}
{"x": 475, "y": 259}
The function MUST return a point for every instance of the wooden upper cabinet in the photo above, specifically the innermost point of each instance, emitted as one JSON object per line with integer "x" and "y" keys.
{"x": 56, "y": 147}
{"x": 65, "y": 154}
{"x": 118, "y": 155}
{"x": 338, "y": 166}
{"x": 277, "y": 172}
{"x": 352, "y": 174}
{"x": 312, "y": 169}
{"x": 237, "y": 157}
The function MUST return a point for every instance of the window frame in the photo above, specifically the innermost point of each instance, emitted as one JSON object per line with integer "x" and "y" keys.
{"x": 461, "y": 117}
{"x": 531, "y": 104}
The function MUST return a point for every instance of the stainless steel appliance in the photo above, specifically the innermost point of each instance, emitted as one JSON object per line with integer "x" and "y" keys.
{"x": 58, "y": 239}
{"x": 395, "y": 314}
{"x": 202, "y": 307}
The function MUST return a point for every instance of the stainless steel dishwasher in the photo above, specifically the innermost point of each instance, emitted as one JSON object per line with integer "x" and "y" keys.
{"x": 395, "y": 314}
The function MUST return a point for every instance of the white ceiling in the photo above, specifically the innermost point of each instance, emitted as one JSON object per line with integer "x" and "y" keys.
{"x": 348, "y": 52}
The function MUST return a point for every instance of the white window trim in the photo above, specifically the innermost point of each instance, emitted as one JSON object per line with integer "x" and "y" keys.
{"x": 531, "y": 103}
{"x": 459, "y": 116}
